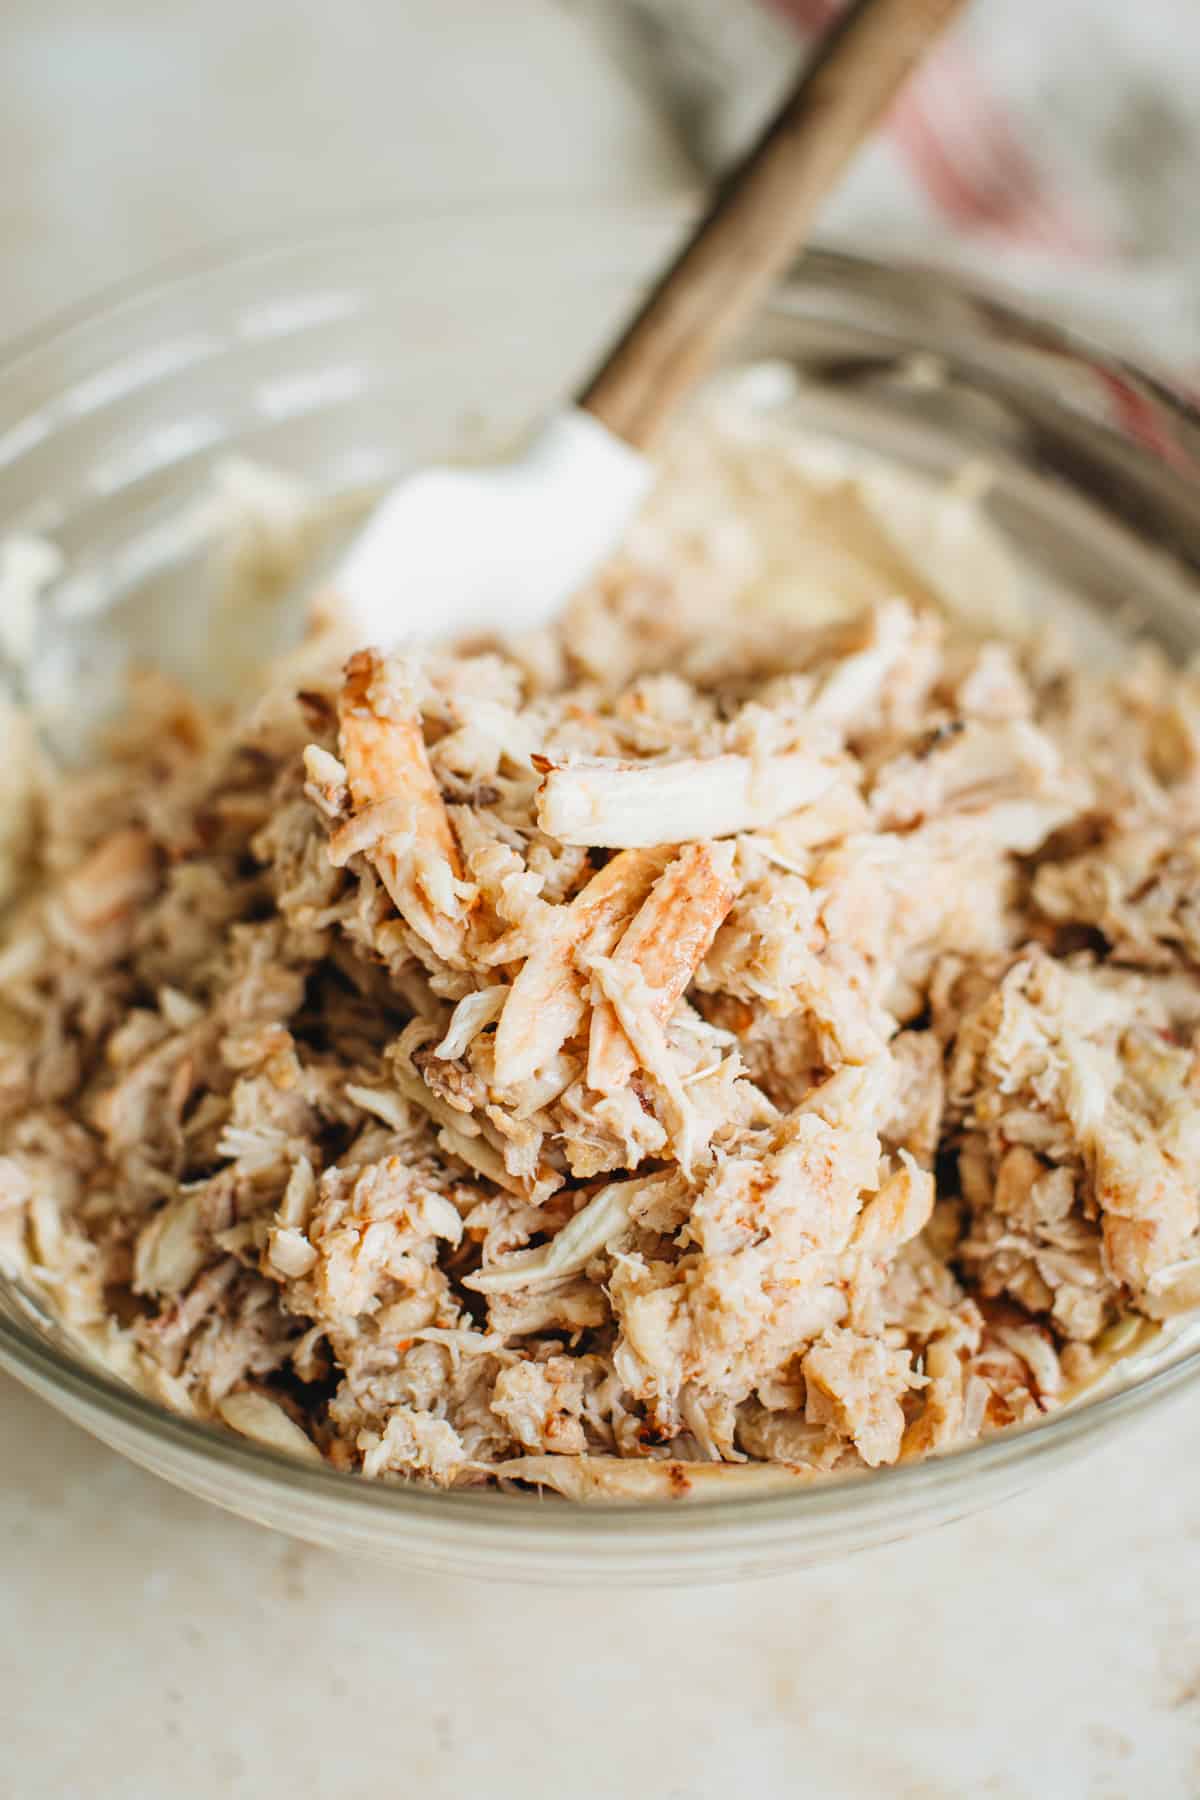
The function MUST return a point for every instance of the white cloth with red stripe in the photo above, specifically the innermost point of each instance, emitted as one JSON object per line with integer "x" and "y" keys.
{"x": 1050, "y": 145}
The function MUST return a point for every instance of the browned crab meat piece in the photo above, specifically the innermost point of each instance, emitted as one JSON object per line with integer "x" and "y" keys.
{"x": 546, "y": 1002}
{"x": 399, "y": 821}
{"x": 666, "y": 942}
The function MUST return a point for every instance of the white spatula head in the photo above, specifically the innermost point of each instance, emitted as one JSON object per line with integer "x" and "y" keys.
{"x": 495, "y": 548}
{"x": 456, "y": 551}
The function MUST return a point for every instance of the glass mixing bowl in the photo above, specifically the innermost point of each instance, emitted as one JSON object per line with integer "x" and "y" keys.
{"x": 352, "y": 355}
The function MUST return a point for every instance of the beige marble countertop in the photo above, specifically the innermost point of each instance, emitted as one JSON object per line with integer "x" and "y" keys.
{"x": 152, "y": 1647}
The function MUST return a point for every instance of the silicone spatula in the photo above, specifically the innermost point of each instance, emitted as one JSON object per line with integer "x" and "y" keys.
{"x": 500, "y": 547}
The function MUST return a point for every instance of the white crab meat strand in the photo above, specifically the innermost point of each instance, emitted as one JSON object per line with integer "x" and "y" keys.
{"x": 627, "y": 807}
{"x": 473, "y": 1014}
{"x": 604, "y": 1219}
{"x": 255, "y": 1416}
{"x": 646, "y": 1478}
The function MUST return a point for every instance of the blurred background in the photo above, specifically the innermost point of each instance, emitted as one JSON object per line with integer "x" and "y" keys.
{"x": 153, "y": 1646}
{"x": 1050, "y": 143}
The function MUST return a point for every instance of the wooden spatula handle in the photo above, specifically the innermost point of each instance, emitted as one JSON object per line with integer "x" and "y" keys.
{"x": 761, "y": 214}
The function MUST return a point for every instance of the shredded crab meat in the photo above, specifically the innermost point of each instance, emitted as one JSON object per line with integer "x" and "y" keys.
{"x": 749, "y": 1033}
{"x": 674, "y": 801}
{"x": 616, "y": 1478}
{"x": 399, "y": 819}
{"x": 666, "y": 942}
{"x": 603, "y": 1220}
{"x": 546, "y": 1001}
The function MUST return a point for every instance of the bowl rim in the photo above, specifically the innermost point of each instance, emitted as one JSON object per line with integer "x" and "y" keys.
{"x": 243, "y": 250}
{"x": 834, "y": 257}
{"x": 481, "y": 1515}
